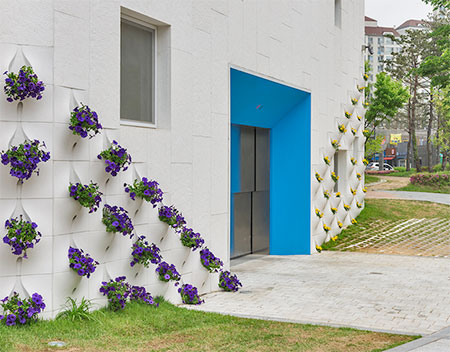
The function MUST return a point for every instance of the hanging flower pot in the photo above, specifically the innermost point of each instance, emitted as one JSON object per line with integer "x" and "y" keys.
{"x": 23, "y": 85}
{"x": 21, "y": 235}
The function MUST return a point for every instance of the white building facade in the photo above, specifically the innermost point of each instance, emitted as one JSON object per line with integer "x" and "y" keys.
{"x": 166, "y": 79}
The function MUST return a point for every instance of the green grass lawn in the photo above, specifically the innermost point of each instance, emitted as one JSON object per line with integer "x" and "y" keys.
{"x": 388, "y": 209}
{"x": 170, "y": 328}
{"x": 370, "y": 179}
{"x": 429, "y": 189}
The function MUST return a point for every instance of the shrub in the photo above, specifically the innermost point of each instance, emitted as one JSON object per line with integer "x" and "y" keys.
{"x": 116, "y": 158}
{"x": 84, "y": 122}
{"x": 21, "y": 311}
{"x": 87, "y": 195}
{"x": 143, "y": 253}
{"x": 116, "y": 219}
{"x": 24, "y": 159}
{"x": 21, "y": 235}
{"x": 229, "y": 282}
{"x": 189, "y": 294}
{"x": 145, "y": 189}
{"x": 431, "y": 180}
{"x": 23, "y": 85}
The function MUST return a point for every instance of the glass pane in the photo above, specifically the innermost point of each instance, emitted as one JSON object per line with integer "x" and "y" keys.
{"x": 136, "y": 72}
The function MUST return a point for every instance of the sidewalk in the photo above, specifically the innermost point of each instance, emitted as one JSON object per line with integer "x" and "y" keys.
{"x": 437, "y": 342}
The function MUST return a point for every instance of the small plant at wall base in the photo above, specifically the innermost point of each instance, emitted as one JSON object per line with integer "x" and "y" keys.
{"x": 171, "y": 217}
{"x": 16, "y": 310}
{"x": 354, "y": 222}
{"x": 210, "y": 261}
{"x": 116, "y": 159}
{"x": 145, "y": 189}
{"x": 23, "y": 85}
{"x": 144, "y": 254}
{"x": 84, "y": 122}
{"x": 21, "y": 235}
{"x": 229, "y": 282}
{"x": 167, "y": 272}
{"x": 116, "y": 219}
{"x": 191, "y": 239}
{"x": 87, "y": 195}
{"x": 82, "y": 264}
{"x": 318, "y": 248}
{"x": 24, "y": 159}
{"x": 189, "y": 294}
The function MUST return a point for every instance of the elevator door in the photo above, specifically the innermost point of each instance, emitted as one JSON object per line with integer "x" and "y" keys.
{"x": 251, "y": 203}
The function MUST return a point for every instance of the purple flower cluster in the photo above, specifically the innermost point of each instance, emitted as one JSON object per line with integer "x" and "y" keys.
{"x": 20, "y": 311}
{"x": 167, "y": 272}
{"x": 191, "y": 239}
{"x": 143, "y": 253}
{"x": 116, "y": 158}
{"x": 229, "y": 282}
{"x": 87, "y": 195}
{"x": 172, "y": 217}
{"x": 189, "y": 294}
{"x": 145, "y": 189}
{"x": 84, "y": 122}
{"x": 82, "y": 263}
{"x": 119, "y": 291}
{"x": 432, "y": 180}
{"x": 21, "y": 235}
{"x": 25, "y": 158}
{"x": 210, "y": 261}
{"x": 23, "y": 85}
{"x": 116, "y": 219}
{"x": 139, "y": 293}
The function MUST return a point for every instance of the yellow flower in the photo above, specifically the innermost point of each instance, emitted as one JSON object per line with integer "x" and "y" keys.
{"x": 335, "y": 144}
{"x": 340, "y": 224}
{"x": 354, "y": 222}
{"x": 359, "y": 205}
{"x": 338, "y": 194}
{"x": 334, "y": 239}
{"x": 326, "y": 194}
{"x": 353, "y": 191}
{"x": 319, "y": 213}
{"x": 358, "y": 175}
{"x": 365, "y": 162}
{"x": 354, "y": 131}
{"x": 342, "y": 128}
{"x": 347, "y": 207}
{"x": 353, "y": 161}
{"x": 318, "y": 248}
{"x": 334, "y": 210}
{"x": 327, "y": 160}
{"x": 348, "y": 114}
{"x": 354, "y": 101}
{"x": 326, "y": 228}
{"x": 334, "y": 176}
{"x": 359, "y": 117}
{"x": 318, "y": 177}
{"x": 364, "y": 190}
{"x": 360, "y": 89}
{"x": 366, "y": 76}
{"x": 366, "y": 104}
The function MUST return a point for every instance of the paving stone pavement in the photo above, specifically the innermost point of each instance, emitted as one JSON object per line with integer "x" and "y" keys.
{"x": 379, "y": 292}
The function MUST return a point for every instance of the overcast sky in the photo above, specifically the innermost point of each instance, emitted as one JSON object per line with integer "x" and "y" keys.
{"x": 390, "y": 13}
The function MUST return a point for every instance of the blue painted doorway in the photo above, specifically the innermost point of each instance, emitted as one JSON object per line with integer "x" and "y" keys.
{"x": 285, "y": 113}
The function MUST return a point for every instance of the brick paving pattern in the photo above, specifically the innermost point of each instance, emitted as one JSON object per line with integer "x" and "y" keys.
{"x": 370, "y": 291}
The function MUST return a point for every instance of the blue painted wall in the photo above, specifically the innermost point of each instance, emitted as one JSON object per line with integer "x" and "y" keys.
{"x": 259, "y": 102}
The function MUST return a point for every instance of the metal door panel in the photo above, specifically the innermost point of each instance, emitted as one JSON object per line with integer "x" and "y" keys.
{"x": 242, "y": 229}
{"x": 260, "y": 222}
{"x": 262, "y": 159}
{"x": 247, "y": 155}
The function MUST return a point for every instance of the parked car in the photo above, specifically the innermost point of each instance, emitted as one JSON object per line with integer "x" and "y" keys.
{"x": 376, "y": 166}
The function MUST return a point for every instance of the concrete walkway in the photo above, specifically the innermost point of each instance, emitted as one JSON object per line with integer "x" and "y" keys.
{"x": 437, "y": 342}
{"x": 441, "y": 198}
{"x": 390, "y": 293}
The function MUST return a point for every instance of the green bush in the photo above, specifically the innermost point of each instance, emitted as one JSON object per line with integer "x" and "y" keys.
{"x": 433, "y": 180}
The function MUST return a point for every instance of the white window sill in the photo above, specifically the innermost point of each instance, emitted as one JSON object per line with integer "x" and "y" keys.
{"x": 137, "y": 124}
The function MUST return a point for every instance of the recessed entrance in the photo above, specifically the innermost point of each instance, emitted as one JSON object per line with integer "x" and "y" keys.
{"x": 251, "y": 202}
{"x": 270, "y": 167}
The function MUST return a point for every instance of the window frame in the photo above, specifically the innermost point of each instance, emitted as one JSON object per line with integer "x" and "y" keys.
{"x": 131, "y": 20}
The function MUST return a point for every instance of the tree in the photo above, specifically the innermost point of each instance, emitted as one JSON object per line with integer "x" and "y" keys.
{"x": 389, "y": 96}
{"x": 405, "y": 66}
{"x": 442, "y": 138}
{"x": 438, "y": 3}
{"x": 373, "y": 146}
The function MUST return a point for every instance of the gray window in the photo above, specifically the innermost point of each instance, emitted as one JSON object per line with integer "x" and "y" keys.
{"x": 337, "y": 13}
{"x": 137, "y": 72}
